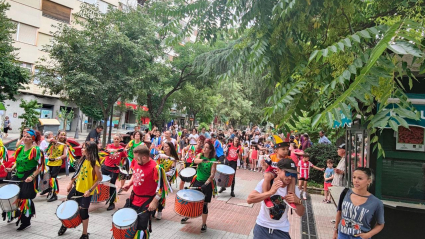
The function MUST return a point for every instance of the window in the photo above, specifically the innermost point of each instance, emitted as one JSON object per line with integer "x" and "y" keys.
{"x": 89, "y": 1}
{"x": 43, "y": 40}
{"x": 25, "y": 33}
{"x": 36, "y": 80}
{"x": 56, "y": 11}
{"x": 27, "y": 66}
{"x": 103, "y": 7}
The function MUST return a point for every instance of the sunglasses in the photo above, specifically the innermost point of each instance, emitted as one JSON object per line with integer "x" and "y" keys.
{"x": 288, "y": 174}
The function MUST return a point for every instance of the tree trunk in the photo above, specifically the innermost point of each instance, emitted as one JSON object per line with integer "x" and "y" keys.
{"x": 105, "y": 129}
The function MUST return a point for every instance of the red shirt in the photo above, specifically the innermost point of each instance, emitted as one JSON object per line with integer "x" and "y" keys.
{"x": 143, "y": 181}
{"x": 191, "y": 157}
{"x": 233, "y": 154}
{"x": 114, "y": 158}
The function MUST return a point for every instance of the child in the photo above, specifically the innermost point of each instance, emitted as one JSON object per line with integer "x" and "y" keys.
{"x": 245, "y": 154}
{"x": 261, "y": 158}
{"x": 281, "y": 152}
{"x": 304, "y": 172}
{"x": 254, "y": 157}
{"x": 329, "y": 175}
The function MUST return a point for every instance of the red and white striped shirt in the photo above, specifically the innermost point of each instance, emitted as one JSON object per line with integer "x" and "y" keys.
{"x": 304, "y": 168}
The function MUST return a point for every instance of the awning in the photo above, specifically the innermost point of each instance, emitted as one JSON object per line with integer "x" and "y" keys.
{"x": 49, "y": 122}
{"x": 134, "y": 106}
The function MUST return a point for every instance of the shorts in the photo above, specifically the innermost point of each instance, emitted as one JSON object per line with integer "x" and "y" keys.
{"x": 327, "y": 186}
{"x": 83, "y": 202}
{"x": 270, "y": 170}
{"x": 54, "y": 171}
{"x": 304, "y": 179}
{"x": 261, "y": 232}
{"x": 5, "y": 130}
{"x": 207, "y": 191}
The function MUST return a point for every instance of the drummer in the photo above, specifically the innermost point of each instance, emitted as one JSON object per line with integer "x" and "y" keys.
{"x": 167, "y": 160}
{"x": 86, "y": 179}
{"x": 149, "y": 188}
{"x": 191, "y": 152}
{"x": 204, "y": 179}
{"x": 136, "y": 141}
{"x": 28, "y": 165}
{"x": 56, "y": 152}
{"x": 110, "y": 167}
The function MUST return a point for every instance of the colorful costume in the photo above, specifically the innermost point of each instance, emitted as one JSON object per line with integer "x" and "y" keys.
{"x": 149, "y": 180}
{"x": 27, "y": 162}
{"x": 110, "y": 167}
{"x": 53, "y": 153}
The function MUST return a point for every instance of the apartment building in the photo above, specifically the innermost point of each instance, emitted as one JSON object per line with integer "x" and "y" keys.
{"x": 35, "y": 21}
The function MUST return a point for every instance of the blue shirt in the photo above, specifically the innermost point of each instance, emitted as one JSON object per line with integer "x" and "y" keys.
{"x": 218, "y": 148}
{"x": 324, "y": 140}
{"x": 328, "y": 173}
{"x": 206, "y": 134}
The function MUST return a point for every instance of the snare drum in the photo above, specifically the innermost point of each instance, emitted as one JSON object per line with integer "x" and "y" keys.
{"x": 9, "y": 195}
{"x": 187, "y": 174}
{"x": 189, "y": 203}
{"x": 224, "y": 176}
{"x": 101, "y": 194}
{"x": 124, "y": 223}
{"x": 44, "y": 183}
{"x": 69, "y": 214}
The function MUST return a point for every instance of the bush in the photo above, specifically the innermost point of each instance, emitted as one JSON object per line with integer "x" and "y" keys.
{"x": 319, "y": 154}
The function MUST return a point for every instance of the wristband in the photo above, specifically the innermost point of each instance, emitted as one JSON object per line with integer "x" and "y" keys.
{"x": 157, "y": 197}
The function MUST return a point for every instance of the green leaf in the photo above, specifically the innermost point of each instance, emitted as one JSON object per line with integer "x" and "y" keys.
{"x": 346, "y": 74}
{"x": 393, "y": 125}
{"x": 319, "y": 55}
{"x": 364, "y": 34}
{"x": 345, "y": 110}
{"x": 352, "y": 69}
{"x": 341, "y": 46}
{"x": 374, "y": 139}
{"x": 313, "y": 54}
{"x": 330, "y": 119}
{"x": 325, "y": 52}
{"x": 405, "y": 113}
{"x": 404, "y": 47}
{"x": 337, "y": 114}
{"x": 333, "y": 48}
{"x": 358, "y": 62}
{"x": 316, "y": 120}
{"x": 355, "y": 38}
{"x": 347, "y": 42}
{"x": 373, "y": 30}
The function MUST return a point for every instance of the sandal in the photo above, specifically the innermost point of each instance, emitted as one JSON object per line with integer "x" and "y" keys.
{"x": 62, "y": 230}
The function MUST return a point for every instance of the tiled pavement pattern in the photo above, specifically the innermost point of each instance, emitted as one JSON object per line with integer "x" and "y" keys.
{"x": 323, "y": 214}
{"x": 228, "y": 217}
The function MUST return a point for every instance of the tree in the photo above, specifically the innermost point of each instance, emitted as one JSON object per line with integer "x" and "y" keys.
{"x": 31, "y": 115}
{"x": 321, "y": 56}
{"x": 65, "y": 116}
{"x": 12, "y": 76}
{"x": 102, "y": 60}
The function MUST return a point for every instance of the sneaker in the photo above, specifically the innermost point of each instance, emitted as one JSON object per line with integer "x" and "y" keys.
{"x": 333, "y": 221}
{"x": 184, "y": 220}
{"x": 304, "y": 196}
{"x": 44, "y": 192}
{"x": 329, "y": 201}
{"x": 291, "y": 205}
{"x": 232, "y": 194}
{"x": 23, "y": 227}
{"x": 158, "y": 216}
{"x": 111, "y": 207}
{"x": 324, "y": 200}
{"x": 204, "y": 228}
{"x": 53, "y": 198}
{"x": 222, "y": 190}
{"x": 268, "y": 203}
{"x": 62, "y": 230}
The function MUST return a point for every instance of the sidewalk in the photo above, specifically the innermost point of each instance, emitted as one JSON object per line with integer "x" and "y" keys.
{"x": 228, "y": 217}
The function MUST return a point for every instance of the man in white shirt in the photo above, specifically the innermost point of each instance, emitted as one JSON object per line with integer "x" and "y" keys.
{"x": 167, "y": 138}
{"x": 272, "y": 222}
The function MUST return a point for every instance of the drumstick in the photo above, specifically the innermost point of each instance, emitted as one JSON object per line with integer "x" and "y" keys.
{"x": 137, "y": 215}
{"x": 75, "y": 197}
{"x": 13, "y": 181}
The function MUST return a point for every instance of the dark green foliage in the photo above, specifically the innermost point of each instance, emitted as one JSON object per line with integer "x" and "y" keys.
{"x": 12, "y": 76}
{"x": 319, "y": 154}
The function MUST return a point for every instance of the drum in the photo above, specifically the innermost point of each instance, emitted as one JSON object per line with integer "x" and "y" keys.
{"x": 187, "y": 174}
{"x": 101, "y": 194}
{"x": 44, "y": 183}
{"x": 69, "y": 214}
{"x": 9, "y": 195}
{"x": 124, "y": 223}
{"x": 189, "y": 203}
{"x": 224, "y": 176}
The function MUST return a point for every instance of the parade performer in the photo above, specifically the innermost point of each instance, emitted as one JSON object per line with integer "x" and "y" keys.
{"x": 86, "y": 179}
{"x": 282, "y": 152}
{"x": 204, "y": 179}
{"x": 110, "y": 167}
{"x": 29, "y": 162}
{"x": 56, "y": 152}
{"x": 3, "y": 153}
{"x": 137, "y": 140}
{"x": 234, "y": 152}
{"x": 190, "y": 153}
{"x": 167, "y": 160}
{"x": 150, "y": 186}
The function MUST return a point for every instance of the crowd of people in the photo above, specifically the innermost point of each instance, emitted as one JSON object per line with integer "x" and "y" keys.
{"x": 151, "y": 161}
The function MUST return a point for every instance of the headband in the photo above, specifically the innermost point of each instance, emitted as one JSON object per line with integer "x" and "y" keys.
{"x": 32, "y": 133}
